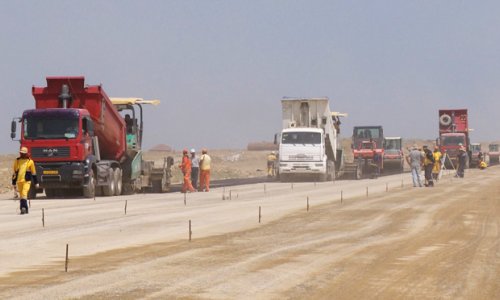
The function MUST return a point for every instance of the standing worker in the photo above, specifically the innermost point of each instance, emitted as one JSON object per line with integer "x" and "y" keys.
{"x": 205, "y": 161}
{"x": 271, "y": 160}
{"x": 437, "y": 163}
{"x": 414, "y": 159}
{"x": 186, "y": 171}
{"x": 462, "y": 158}
{"x": 24, "y": 172}
{"x": 428, "y": 166}
{"x": 195, "y": 168}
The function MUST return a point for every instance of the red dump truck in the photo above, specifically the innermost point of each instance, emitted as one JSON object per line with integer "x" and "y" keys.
{"x": 82, "y": 141}
{"x": 453, "y": 133}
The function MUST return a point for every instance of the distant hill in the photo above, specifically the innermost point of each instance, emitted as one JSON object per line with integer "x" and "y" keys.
{"x": 261, "y": 146}
{"x": 161, "y": 147}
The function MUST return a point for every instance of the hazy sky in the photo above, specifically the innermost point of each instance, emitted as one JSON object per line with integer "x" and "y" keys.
{"x": 220, "y": 68}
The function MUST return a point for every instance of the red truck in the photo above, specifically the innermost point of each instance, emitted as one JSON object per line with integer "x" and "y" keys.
{"x": 453, "y": 133}
{"x": 83, "y": 142}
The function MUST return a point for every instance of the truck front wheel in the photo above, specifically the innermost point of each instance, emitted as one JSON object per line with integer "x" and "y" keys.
{"x": 89, "y": 190}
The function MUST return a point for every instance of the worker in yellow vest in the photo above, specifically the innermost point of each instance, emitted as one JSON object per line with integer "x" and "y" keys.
{"x": 205, "y": 162}
{"x": 24, "y": 173}
{"x": 271, "y": 160}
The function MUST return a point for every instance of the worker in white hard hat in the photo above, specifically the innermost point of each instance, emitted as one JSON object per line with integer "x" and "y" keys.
{"x": 24, "y": 173}
{"x": 271, "y": 160}
{"x": 195, "y": 168}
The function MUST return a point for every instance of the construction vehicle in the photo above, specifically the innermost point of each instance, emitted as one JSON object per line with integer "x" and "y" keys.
{"x": 393, "y": 154}
{"x": 309, "y": 141}
{"x": 453, "y": 133}
{"x": 476, "y": 154}
{"x": 493, "y": 154}
{"x": 81, "y": 142}
{"x": 367, "y": 145}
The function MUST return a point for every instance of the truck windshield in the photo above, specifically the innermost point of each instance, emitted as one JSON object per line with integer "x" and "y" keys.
{"x": 301, "y": 138}
{"x": 453, "y": 140}
{"x": 50, "y": 128}
{"x": 367, "y": 133}
{"x": 493, "y": 148}
{"x": 476, "y": 148}
{"x": 392, "y": 145}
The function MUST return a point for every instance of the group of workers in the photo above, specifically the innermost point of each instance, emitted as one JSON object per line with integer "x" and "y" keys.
{"x": 194, "y": 167}
{"x": 431, "y": 161}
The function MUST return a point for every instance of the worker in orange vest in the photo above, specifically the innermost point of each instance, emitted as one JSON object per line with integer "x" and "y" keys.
{"x": 24, "y": 173}
{"x": 205, "y": 162}
{"x": 185, "y": 167}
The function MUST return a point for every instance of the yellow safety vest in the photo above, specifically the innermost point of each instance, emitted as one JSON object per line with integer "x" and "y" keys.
{"x": 24, "y": 169}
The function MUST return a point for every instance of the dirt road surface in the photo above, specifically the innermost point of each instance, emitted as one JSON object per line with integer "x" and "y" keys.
{"x": 411, "y": 243}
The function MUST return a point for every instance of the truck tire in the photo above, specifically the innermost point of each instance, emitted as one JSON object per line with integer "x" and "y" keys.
{"x": 323, "y": 177}
{"x": 109, "y": 189}
{"x": 50, "y": 193}
{"x": 358, "y": 174}
{"x": 89, "y": 190}
{"x": 331, "y": 171}
{"x": 157, "y": 186}
{"x": 284, "y": 177}
{"x": 118, "y": 181}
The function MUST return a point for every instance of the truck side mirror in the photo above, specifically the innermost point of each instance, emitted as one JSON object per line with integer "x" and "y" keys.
{"x": 13, "y": 128}
{"x": 276, "y": 139}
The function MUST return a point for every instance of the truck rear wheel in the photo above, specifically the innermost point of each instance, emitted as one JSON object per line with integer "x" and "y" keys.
{"x": 89, "y": 190}
{"x": 118, "y": 181}
{"x": 109, "y": 189}
{"x": 330, "y": 171}
{"x": 284, "y": 177}
{"x": 157, "y": 186}
{"x": 323, "y": 177}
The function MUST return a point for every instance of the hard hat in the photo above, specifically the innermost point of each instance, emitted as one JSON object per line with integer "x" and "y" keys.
{"x": 192, "y": 150}
{"x": 23, "y": 150}
{"x": 185, "y": 151}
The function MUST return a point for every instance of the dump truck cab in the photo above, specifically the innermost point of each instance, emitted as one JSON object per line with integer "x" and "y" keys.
{"x": 56, "y": 136}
